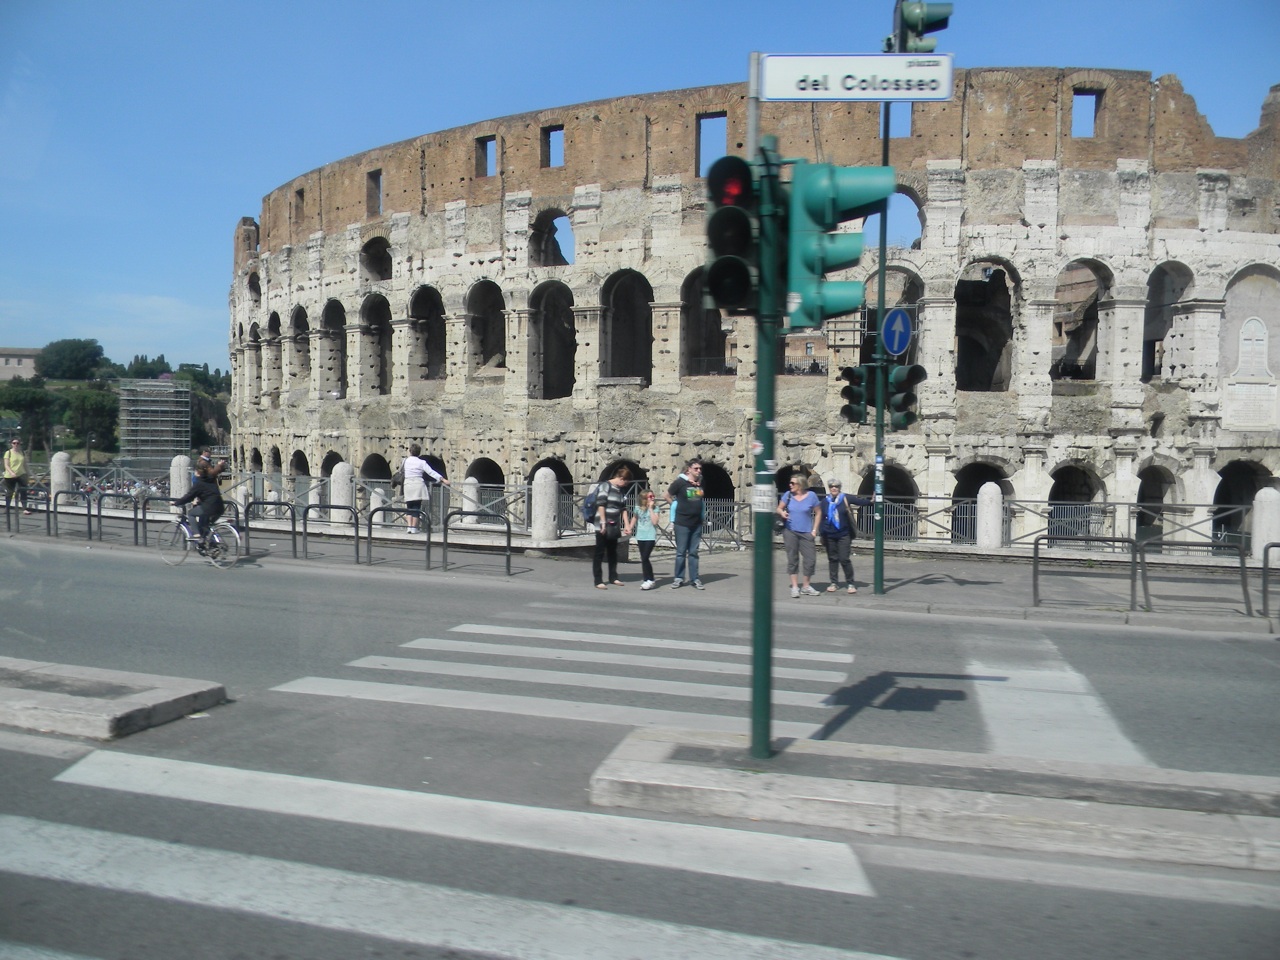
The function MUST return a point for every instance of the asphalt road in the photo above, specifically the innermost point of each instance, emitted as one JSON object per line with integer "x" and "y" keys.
{"x": 402, "y": 770}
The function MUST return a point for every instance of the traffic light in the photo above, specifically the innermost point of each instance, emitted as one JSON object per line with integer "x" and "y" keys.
{"x": 822, "y": 197}
{"x": 902, "y": 398}
{"x": 857, "y": 394}
{"x": 733, "y": 227}
{"x": 913, "y": 20}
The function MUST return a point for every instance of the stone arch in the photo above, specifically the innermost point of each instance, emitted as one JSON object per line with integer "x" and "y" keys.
{"x": 375, "y": 345}
{"x": 546, "y": 248}
{"x": 375, "y": 467}
{"x": 428, "y": 337}
{"x": 332, "y": 353}
{"x": 299, "y": 479}
{"x": 254, "y": 285}
{"x": 300, "y": 336}
{"x": 255, "y": 460}
{"x": 1076, "y": 501}
{"x": 486, "y": 311}
{"x": 987, "y": 296}
{"x": 564, "y": 476}
{"x": 272, "y": 373}
{"x": 901, "y": 513}
{"x": 330, "y": 460}
{"x": 1079, "y": 287}
{"x": 375, "y": 260}
{"x": 1169, "y": 285}
{"x": 553, "y": 341}
{"x": 639, "y": 476}
{"x": 1239, "y": 483}
{"x": 486, "y": 472}
{"x": 703, "y": 342}
{"x": 906, "y": 223}
{"x": 273, "y": 460}
{"x": 1252, "y": 293}
{"x": 626, "y": 326}
{"x": 1155, "y": 484}
{"x": 964, "y": 508}
{"x": 298, "y": 465}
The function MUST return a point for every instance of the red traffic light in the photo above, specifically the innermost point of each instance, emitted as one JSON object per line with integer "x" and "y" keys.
{"x": 730, "y": 183}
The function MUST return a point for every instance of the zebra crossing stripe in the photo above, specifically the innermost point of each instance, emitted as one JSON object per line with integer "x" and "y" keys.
{"x": 673, "y": 688}
{"x": 730, "y": 668}
{"x": 400, "y": 911}
{"x": 20, "y": 951}
{"x": 580, "y": 710}
{"x": 574, "y": 636}
{"x": 718, "y": 851}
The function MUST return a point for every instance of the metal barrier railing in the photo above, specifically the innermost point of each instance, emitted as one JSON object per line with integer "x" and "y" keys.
{"x": 401, "y": 512}
{"x": 1058, "y": 538}
{"x": 317, "y": 507}
{"x": 275, "y": 504}
{"x": 1266, "y": 569}
{"x": 51, "y": 515}
{"x": 444, "y": 564}
{"x": 1215, "y": 547}
{"x": 102, "y": 497}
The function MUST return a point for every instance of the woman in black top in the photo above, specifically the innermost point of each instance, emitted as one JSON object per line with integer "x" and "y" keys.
{"x": 613, "y": 522}
{"x": 204, "y": 490}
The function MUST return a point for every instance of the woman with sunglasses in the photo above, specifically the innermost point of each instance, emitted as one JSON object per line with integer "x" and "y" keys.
{"x": 801, "y": 516}
{"x": 646, "y": 535}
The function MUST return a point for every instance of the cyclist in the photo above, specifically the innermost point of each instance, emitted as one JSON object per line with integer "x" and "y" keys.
{"x": 204, "y": 491}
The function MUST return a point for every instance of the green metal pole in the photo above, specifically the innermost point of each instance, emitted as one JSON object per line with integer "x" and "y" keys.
{"x": 881, "y": 367}
{"x": 768, "y": 324}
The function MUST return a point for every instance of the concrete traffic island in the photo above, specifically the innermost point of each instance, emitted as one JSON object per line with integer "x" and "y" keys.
{"x": 1139, "y": 813}
{"x": 90, "y": 702}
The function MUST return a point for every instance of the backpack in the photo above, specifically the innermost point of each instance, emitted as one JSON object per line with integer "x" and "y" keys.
{"x": 589, "y": 505}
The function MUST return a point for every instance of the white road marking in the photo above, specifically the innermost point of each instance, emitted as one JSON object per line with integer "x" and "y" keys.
{"x": 741, "y": 649}
{"x": 718, "y": 851}
{"x": 1138, "y": 883}
{"x": 445, "y": 645}
{"x": 1047, "y": 710}
{"x": 620, "y": 715}
{"x": 401, "y": 911}
{"x": 673, "y": 688}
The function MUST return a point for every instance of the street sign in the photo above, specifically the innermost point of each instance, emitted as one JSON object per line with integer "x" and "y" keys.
{"x": 897, "y": 332}
{"x": 838, "y": 76}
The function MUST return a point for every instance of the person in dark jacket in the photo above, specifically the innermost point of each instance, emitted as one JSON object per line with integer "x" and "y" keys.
{"x": 208, "y": 498}
{"x": 838, "y": 528}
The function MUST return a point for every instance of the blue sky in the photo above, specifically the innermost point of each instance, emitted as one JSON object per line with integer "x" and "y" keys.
{"x": 135, "y": 135}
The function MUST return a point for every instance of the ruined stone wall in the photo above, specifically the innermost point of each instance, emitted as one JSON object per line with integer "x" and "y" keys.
{"x": 1003, "y": 189}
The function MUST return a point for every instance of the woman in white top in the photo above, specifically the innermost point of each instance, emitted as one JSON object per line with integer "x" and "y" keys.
{"x": 416, "y": 470}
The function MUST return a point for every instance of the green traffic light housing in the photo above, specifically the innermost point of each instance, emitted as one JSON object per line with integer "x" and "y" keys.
{"x": 822, "y": 197}
{"x": 732, "y": 231}
{"x": 856, "y": 393}
{"x": 903, "y": 378}
{"x": 914, "y": 19}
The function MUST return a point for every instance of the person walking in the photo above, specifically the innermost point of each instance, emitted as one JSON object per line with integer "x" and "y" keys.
{"x": 646, "y": 536}
{"x": 613, "y": 522}
{"x": 801, "y": 516}
{"x": 416, "y": 492}
{"x": 838, "y": 528}
{"x": 686, "y": 494}
{"x": 15, "y": 475}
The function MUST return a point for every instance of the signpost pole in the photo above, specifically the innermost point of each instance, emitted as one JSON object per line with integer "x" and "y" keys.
{"x": 881, "y": 368}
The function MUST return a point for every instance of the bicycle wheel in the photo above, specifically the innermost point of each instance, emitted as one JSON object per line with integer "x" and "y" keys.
{"x": 223, "y": 548}
{"x": 172, "y": 542}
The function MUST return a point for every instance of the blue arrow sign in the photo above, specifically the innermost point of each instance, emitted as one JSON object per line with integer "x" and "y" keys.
{"x": 897, "y": 332}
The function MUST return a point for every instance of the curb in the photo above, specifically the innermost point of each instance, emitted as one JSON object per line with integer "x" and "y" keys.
{"x": 1139, "y": 813}
{"x": 90, "y": 702}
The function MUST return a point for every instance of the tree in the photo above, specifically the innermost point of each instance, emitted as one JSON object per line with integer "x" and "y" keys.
{"x": 142, "y": 368}
{"x": 36, "y": 408}
{"x": 69, "y": 359}
{"x": 95, "y": 411}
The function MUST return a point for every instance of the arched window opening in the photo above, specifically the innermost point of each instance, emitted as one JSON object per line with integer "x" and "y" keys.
{"x": 375, "y": 467}
{"x": 1154, "y": 485}
{"x": 551, "y": 240}
{"x": 375, "y": 260}
{"x": 428, "y": 350}
{"x": 1168, "y": 286}
{"x": 298, "y": 486}
{"x": 704, "y": 340}
{"x": 627, "y": 327}
{"x": 906, "y": 225}
{"x": 553, "y": 342}
{"x": 333, "y": 351}
{"x": 300, "y": 341}
{"x": 984, "y": 328}
{"x": 902, "y": 291}
{"x": 487, "y": 315}
{"x": 490, "y": 490}
{"x": 1075, "y": 504}
{"x": 375, "y": 344}
{"x": 1075, "y": 323}
{"x": 255, "y": 460}
{"x": 566, "y": 514}
{"x": 901, "y": 514}
{"x": 255, "y": 289}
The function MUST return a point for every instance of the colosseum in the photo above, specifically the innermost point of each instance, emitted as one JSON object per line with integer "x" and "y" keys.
{"x": 1095, "y": 283}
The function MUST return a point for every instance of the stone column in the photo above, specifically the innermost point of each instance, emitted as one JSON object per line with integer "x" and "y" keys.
{"x": 1033, "y": 354}
{"x": 1201, "y": 486}
{"x": 938, "y": 492}
{"x": 1192, "y": 350}
{"x": 251, "y": 373}
{"x": 1120, "y": 326}
{"x": 1032, "y": 483}
{"x": 587, "y": 323}
{"x": 667, "y": 342}
{"x": 457, "y": 354}
{"x": 1266, "y": 521}
{"x": 936, "y": 352}
{"x": 524, "y": 368}
{"x": 989, "y": 527}
{"x": 342, "y": 490}
{"x": 403, "y": 370}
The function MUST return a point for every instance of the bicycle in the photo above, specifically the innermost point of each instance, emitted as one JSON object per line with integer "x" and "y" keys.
{"x": 177, "y": 539}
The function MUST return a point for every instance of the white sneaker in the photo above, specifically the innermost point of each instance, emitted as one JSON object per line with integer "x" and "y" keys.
{"x": 795, "y": 593}
{"x": 647, "y": 585}
{"x": 675, "y": 584}
{"x": 810, "y": 592}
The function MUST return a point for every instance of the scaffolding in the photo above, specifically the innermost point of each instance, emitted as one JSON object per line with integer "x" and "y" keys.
{"x": 155, "y": 424}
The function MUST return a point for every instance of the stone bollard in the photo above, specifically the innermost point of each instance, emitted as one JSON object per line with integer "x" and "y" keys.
{"x": 378, "y": 498}
{"x": 470, "y": 498}
{"x": 1265, "y": 521}
{"x": 544, "y": 506}
{"x": 342, "y": 490}
{"x": 989, "y": 525}
{"x": 179, "y": 479}
{"x": 59, "y": 474}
